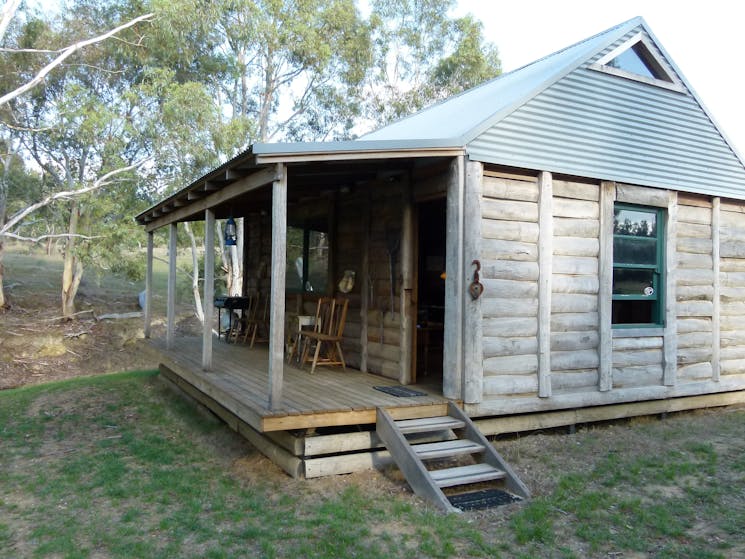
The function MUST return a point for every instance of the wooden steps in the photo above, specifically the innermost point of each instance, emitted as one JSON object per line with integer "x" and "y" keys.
{"x": 429, "y": 424}
{"x": 428, "y": 480}
{"x": 445, "y": 449}
{"x": 462, "y": 475}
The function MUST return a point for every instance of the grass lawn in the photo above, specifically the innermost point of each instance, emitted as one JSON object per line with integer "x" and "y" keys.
{"x": 118, "y": 466}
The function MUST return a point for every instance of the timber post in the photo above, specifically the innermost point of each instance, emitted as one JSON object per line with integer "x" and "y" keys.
{"x": 209, "y": 287}
{"x": 473, "y": 353}
{"x": 454, "y": 285}
{"x": 716, "y": 328}
{"x": 277, "y": 303}
{"x": 605, "y": 290}
{"x": 148, "y": 310}
{"x": 407, "y": 324}
{"x": 171, "y": 304}
{"x": 545, "y": 259}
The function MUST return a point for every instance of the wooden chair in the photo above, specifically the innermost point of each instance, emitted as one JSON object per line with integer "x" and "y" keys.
{"x": 256, "y": 317}
{"x": 331, "y": 315}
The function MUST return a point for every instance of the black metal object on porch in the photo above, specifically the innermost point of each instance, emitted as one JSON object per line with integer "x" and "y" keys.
{"x": 231, "y": 304}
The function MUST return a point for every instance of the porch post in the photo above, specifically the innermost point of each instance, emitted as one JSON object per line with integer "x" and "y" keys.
{"x": 365, "y": 283}
{"x": 148, "y": 310}
{"x": 407, "y": 315}
{"x": 277, "y": 310}
{"x": 209, "y": 287}
{"x": 171, "y": 312}
{"x": 473, "y": 352}
{"x": 452, "y": 380}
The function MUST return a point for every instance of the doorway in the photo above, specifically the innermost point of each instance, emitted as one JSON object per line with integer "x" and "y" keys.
{"x": 430, "y": 295}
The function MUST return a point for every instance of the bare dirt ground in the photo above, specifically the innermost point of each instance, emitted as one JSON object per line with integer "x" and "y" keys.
{"x": 36, "y": 346}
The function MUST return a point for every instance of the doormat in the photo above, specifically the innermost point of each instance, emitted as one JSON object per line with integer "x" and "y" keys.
{"x": 400, "y": 391}
{"x": 485, "y": 499}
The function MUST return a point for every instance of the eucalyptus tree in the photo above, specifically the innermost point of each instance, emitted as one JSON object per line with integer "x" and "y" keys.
{"x": 81, "y": 130}
{"x": 423, "y": 55}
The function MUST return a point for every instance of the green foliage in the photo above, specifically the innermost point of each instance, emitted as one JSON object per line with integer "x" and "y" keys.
{"x": 423, "y": 55}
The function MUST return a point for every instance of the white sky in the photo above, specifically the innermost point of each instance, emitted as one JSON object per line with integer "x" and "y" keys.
{"x": 705, "y": 38}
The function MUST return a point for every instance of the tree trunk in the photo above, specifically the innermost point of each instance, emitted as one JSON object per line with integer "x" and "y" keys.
{"x": 72, "y": 270}
{"x": 195, "y": 274}
{"x": 3, "y": 302}
{"x": 3, "y": 206}
{"x": 232, "y": 261}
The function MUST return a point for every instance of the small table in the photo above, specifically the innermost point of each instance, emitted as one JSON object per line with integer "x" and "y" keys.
{"x": 231, "y": 304}
{"x": 303, "y": 320}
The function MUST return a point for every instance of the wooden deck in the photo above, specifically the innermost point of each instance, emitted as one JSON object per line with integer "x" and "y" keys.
{"x": 239, "y": 382}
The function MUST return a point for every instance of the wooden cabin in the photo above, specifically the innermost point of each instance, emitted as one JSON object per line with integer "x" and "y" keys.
{"x": 593, "y": 193}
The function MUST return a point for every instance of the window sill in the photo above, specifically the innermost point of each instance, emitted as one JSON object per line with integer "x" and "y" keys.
{"x": 654, "y": 331}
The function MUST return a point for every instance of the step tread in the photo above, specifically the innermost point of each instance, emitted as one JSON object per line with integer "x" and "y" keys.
{"x": 442, "y": 449}
{"x": 425, "y": 424}
{"x": 462, "y": 475}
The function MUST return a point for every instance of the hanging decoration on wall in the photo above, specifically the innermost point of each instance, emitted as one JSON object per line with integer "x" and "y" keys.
{"x": 476, "y": 288}
{"x": 230, "y": 232}
{"x": 346, "y": 284}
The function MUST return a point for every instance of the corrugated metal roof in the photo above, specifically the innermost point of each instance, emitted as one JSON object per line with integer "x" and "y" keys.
{"x": 463, "y": 117}
{"x": 592, "y": 124}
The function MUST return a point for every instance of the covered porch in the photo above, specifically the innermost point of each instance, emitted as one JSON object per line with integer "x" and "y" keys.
{"x": 377, "y": 209}
{"x": 365, "y": 203}
{"x": 328, "y": 398}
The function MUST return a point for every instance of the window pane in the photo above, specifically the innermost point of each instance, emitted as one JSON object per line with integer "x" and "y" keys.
{"x": 294, "y": 276}
{"x": 318, "y": 261}
{"x": 637, "y": 223}
{"x": 633, "y": 282}
{"x": 631, "y": 61}
{"x": 634, "y": 312}
{"x": 630, "y": 250}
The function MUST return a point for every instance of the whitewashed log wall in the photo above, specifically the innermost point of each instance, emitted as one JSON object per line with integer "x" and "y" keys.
{"x": 732, "y": 291}
{"x": 700, "y": 350}
{"x": 509, "y": 264}
{"x": 574, "y": 282}
{"x": 695, "y": 288}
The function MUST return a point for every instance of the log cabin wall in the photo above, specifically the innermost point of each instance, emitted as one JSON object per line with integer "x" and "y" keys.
{"x": 695, "y": 289}
{"x": 509, "y": 264}
{"x": 731, "y": 285}
{"x": 701, "y": 348}
{"x": 574, "y": 285}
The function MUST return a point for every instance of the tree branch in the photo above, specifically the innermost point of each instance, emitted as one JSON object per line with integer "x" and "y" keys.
{"x": 64, "y": 55}
{"x": 42, "y": 237}
{"x": 67, "y": 194}
{"x": 9, "y": 9}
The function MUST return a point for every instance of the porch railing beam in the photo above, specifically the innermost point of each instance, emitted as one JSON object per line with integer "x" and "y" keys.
{"x": 241, "y": 186}
{"x": 277, "y": 310}
{"x": 171, "y": 305}
{"x": 209, "y": 288}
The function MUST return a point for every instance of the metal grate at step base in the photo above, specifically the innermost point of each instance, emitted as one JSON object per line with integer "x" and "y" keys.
{"x": 484, "y": 499}
{"x": 400, "y": 391}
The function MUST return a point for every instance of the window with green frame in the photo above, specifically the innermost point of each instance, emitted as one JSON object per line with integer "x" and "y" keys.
{"x": 307, "y": 258}
{"x": 638, "y": 266}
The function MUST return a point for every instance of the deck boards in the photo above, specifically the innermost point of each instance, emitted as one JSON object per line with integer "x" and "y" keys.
{"x": 239, "y": 381}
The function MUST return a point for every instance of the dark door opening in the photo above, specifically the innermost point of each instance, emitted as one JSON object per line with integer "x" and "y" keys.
{"x": 430, "y": 290}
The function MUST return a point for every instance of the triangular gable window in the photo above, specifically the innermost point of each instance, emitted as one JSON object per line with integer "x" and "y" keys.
{"x": 636, "y": 59}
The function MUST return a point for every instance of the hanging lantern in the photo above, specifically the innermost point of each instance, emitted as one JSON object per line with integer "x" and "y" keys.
{"x": 230, "y": 232}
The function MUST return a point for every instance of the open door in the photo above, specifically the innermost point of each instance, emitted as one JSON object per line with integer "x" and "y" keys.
{"x": 430, "y": 291}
